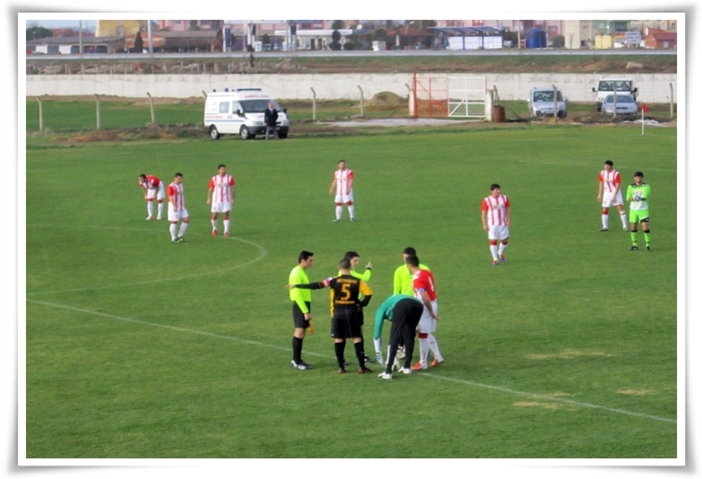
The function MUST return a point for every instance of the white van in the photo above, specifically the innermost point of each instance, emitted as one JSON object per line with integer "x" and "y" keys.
{"x": 240, "y": 112}
{"x": 607, "y": 86}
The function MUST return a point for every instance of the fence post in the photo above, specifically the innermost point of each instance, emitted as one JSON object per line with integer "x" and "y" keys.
{"x": 97, "y": 110}
{"x": 415, "y": 106}
{"x": 153, "y": 113}
{"x": 314, "y": 104}
{"x": 410, "y": 97}
{"x": 359, "y": 89}
{"x": 41, "y": 116}
{"x": 614, "y": 105}
{"x": 555, "y": 103}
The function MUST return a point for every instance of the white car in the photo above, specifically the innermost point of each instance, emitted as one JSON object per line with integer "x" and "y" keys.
{"x": 541, "y": 103}
{"x": 626, "y": 105}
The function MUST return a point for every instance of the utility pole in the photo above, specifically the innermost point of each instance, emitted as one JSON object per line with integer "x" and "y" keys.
{"x": 148, "y": 29}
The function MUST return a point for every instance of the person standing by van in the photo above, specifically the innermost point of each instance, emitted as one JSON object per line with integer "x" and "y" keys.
{"x": 270, "y": 118}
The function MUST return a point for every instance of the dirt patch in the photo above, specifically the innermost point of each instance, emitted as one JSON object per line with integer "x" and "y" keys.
{"x": 636, "y": 392}
{"x": 386, "y": 100}
{"x": 99, "y": 135}
{"x": 171, "y": 132}
{"x": 568, "y": 354}
{"x": 500, "y": 64}
{"x": 542, "y": 405}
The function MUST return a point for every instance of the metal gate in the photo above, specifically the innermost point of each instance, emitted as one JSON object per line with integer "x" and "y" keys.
{"x": 466, "y": 97}
{"x": 448, "y": 96}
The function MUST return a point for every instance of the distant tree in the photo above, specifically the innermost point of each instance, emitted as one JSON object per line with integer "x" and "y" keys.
{"x": 338, "y": 24}
{"x": 138, "y": 43}
{"x": 193, "y": 25}
{"x": 511, "y": 37}
{"x": 421, "y": 24}
{"x": 38, "y": 32}
{"x": 265, "y": 39}
{"x": 380, "y": 34}
{"x": 335, "y": 43}
{"x": 558, "y": 41}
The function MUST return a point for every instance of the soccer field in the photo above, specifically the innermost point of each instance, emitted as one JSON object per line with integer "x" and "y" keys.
{"x": 140, "y": 348}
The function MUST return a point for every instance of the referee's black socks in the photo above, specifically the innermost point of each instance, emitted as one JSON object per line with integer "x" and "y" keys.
{"x": 297, "y": 349}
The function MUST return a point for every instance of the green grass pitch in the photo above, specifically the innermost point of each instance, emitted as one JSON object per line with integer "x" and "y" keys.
{"x": 139, "y": 348}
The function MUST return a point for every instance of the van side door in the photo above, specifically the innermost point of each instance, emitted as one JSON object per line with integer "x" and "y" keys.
{"x": 224, "y": 125}
{"x": 238, "y": 116}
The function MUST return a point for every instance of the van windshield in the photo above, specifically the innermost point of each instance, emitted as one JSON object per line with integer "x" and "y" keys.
{"x": 608, "y": 85}
{"x": 620, "y": 99}
{"x": 547, "y": 95}
{"x": 258, "y": 106}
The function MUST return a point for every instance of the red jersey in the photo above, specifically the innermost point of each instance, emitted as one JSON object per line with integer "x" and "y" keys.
{"x": 175, "y": 191}
{"x": 496, "y": 210}
{"x": 150, "y": 183}
{"x": 423, "y": 281}
{"x": 343, "y": 180}
{"x": 610, "y": 179}
{"x": 222, "y": 188}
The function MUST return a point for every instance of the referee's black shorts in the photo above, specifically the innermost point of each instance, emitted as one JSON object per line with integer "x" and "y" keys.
{"x": 345, "y": 323}
{"x": 299, "y": 316}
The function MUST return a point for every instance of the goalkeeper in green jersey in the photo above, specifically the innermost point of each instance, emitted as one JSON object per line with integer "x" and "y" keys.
{"x": 638, "y": 194}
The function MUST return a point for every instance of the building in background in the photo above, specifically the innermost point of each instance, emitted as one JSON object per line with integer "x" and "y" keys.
{"x": 185, "y": 25}
{"x": 71, "y": 45}
{"x": 660, "y": 39}
{"x": 119, "y": 28}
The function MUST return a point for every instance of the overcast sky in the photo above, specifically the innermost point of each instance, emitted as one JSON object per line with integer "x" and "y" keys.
{"x": 86, "y": 24}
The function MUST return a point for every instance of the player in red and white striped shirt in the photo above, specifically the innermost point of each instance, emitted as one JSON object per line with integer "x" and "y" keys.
{"x": 221, "y": 196}
{"x": 343, "y": 180}
{"x": 610, "y": 194}
{"x": 497, "y": 217}
{"x": 425, "y": 290}
{"x": 176, "y": 209}
{"x": 153, "y": 188}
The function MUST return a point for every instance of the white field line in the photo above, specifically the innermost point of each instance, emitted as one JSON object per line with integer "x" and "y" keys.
{"x": 429, "y": 375}
{"x": 262, "y": 252}
{"x": 166, "y": 326}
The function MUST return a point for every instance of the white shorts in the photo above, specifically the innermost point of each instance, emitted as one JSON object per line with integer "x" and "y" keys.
{"x": 174, "y": 215}
{"x": 344, "y": 198}
{"x": 427, "y": 324}
{"x": 221, "y": 207}
{"x": 498, "y": 232}
{"x": 159, "y": 193}
{"x": 609, "y": 199}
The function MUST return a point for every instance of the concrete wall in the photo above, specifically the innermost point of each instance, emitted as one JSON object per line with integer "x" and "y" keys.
{"x": 653, "y": 88}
